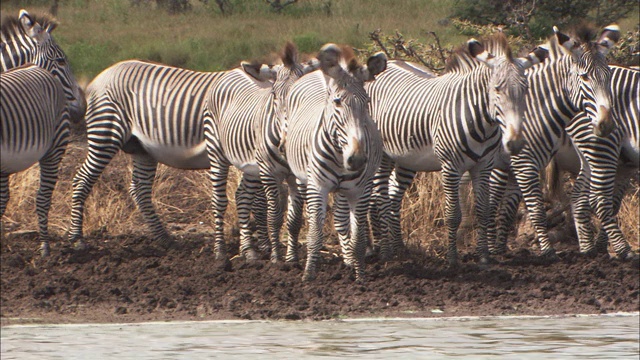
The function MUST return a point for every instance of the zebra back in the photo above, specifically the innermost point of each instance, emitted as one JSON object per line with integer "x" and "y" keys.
{"x": 32, "y": 109}
{"x": 159, "y": 105}
{"x": 27, "y": 39}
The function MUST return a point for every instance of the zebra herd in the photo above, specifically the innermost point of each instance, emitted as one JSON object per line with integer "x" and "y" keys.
{"x": 333, "y": 125}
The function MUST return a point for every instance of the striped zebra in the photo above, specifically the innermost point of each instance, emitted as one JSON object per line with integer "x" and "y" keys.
{"x": 454, "y": 122}
{"x": 156, "y": 114}
{"x": 237, "y": 113}
{"x": 617, "y": 151}
{"x": 576, "y": 75}
{"x": 35, "y": 128}
{"x": 27, "y": 39}
{"x": 331, "y": 145}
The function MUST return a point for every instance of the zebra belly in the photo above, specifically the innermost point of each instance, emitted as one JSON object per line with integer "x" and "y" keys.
{"x": 12, "y": 162}
{"x": 568, "y": 158}
{"x": 631, "y": 151}
{"x": 418, "y": 160}
{"x": 180, "y": 157}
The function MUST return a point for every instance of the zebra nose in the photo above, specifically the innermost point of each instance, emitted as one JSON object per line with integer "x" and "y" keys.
{"x": 356, "y": 162}
{"x": 604, "y": 125}
{"x": 514, "y": 146}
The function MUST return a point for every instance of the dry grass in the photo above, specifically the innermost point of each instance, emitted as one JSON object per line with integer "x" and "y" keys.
{"x": 182, "y": 199}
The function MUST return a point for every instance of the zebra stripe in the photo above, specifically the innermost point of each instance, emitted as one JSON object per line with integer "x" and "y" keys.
{"x": 576, "y": 76}
{"x": 27, "y": 39}
{"x": 451, "y": 123}
{"x": 34, "y": 127}
{"x": 151, "y": 111}
{"x": 332, "y": 145}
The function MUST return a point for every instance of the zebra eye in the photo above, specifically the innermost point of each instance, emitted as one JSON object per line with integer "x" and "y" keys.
{"x": 337, "y": 101}
{"x": 584, "y": 76}
{"x": 61, "y": 61}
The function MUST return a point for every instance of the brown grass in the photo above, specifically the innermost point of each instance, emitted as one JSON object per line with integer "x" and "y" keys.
{"x": 182, "y": 199}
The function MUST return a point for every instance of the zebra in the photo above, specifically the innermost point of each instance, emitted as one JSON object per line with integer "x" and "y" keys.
{"x": 575, "y": 76}
{"x": 453, "y": 122}
{"x": 158, "y": 113}
{"x": 331, "y": 144}
{"x": 35, "y": 128}
{"x": 237, "y": 114}
{"x": 27, "y": 39}
{"x": 617, "y": 151}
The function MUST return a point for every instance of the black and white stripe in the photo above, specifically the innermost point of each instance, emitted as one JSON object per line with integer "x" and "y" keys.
{"x": 455, "y": 122}
{"x": 332, "y": 145}
{"x": 34, "y": 127}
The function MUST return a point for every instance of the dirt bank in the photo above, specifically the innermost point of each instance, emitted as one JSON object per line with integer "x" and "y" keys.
{"x": 128, "y": 279}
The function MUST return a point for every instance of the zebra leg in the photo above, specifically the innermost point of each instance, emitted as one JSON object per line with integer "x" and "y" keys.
{"x": 49, "y": 169}
{"x": 245, "y": 195}
{"x": 275, "y": 213}
{"x": 480, "y": 176}
{"x": 400, "y": 180}
{"x": 144, "y": 172}
{"x": 355, "y": 250}
{"x": 581, "y": 209}
{"x": 529, "y": 183}
{"x": 621, "y": 186}
{"x": 259, "y": 211}
{"x": 380, "y": 211}
{"x": 453, "y": 215}
{"x": 603, "y": 176}
{"x": 4, "y": 195}
{"x": 316, "y": 212}
{"x": 497, "y": 186}
{"x": 98, "y": 157}
{"x": 341, "y": 218}
{"x": 506, "y": 219}
{"x": 297, "y": 194}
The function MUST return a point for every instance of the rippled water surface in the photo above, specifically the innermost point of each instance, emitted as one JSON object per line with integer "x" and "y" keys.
{"x": 582, "y": 337}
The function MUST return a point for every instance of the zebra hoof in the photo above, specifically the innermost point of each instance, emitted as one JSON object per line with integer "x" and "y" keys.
{"x": 309, "y": 276}
{"x": 500, "y": 250}
{"x": 589, "y": 253}
{"x": 453, "y": 262}
{"x": 251, "y": 255}
{"x": 629, "y": 256}
{"x": 487, "y": 260}
{"x": 80, "y": 245}
{"x": 45, "y": 250}
{"x": 224, "y": 264}
{"x": 166, "y": 243}
{"x": 550, "y": 256}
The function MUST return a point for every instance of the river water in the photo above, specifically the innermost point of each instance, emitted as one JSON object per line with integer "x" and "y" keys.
{"x": 575, "y": 337}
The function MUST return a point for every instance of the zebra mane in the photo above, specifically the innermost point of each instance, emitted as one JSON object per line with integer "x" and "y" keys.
{"x": 584, "y": 34}
{"x": 11, "y": 26}
{"x": 462, "y": 61}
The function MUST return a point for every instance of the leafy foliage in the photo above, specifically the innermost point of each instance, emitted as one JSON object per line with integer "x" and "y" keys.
{"x": 535, "y": 18}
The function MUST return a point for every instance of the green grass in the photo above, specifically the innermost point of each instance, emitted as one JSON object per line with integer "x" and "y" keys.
{"x": 98, "y": 33}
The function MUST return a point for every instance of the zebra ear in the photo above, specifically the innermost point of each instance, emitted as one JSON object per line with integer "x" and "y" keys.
{"x": 310, "y": 66}
{"x": 477, "y": 51}
{"x": 290, "y": 55}
{"x": 538, "y": 55}
{"x": 329, "y": 58}
{"x": 258, "y": 71}
{"x": 567, "y": 42}
{"x": 609, "y": 36}
{"x": 376, "y": 64}
{"x": 31, "y": 27}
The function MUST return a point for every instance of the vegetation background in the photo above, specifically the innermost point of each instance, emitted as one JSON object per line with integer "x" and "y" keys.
{"x": 216, "y": 35}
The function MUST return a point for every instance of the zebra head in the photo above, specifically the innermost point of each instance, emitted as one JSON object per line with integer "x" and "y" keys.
{"x": 286, "y": 75}
{"x": 507, "y": 87}
{"x": 590, "y": 67}
{"x": 29, "y": 40}
{"x": 347, "y": 108}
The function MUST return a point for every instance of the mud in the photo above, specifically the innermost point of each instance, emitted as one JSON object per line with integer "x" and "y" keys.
{"x": 130, "y": 279}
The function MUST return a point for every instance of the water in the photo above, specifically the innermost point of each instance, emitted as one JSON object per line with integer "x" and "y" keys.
{"x": 581, "y": 337}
